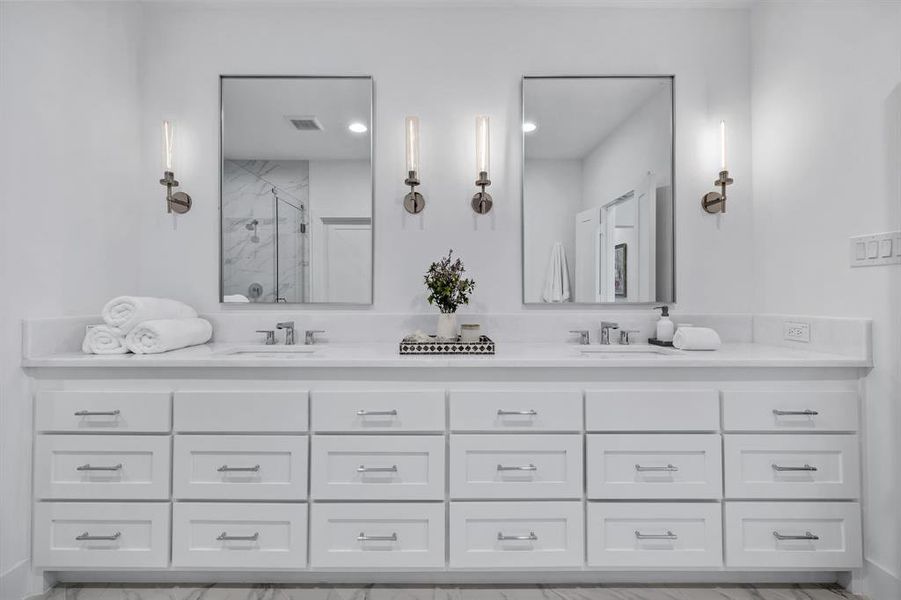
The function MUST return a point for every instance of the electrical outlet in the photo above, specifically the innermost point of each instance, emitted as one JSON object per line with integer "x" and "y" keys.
{"x": 796, "y": 331}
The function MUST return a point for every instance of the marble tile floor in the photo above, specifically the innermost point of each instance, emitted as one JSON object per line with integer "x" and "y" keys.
{"x": 450, "y": 592}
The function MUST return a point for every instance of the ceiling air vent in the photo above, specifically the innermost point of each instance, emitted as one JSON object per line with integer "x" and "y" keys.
{"x": 305, "y": 123}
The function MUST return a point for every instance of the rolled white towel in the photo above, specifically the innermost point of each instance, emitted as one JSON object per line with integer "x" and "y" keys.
{"x": 103, "y": 339}
{"x": 163, "y": 335}
{"x": 125, "y": 312}
{"x": 696, "y": 338}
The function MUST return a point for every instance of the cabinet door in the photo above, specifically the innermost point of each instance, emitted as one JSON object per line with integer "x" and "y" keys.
{"x": 241, "y": 412}
{"x": 516, "y": 466}
{"x": 378, "y": 410}
{"x": 654, "y": 466}
{"x": 79, "y": 411}
{"x": 652, "y": 410}
{"x": 356, "y": 467}
{"x": 790, "y": 410}
{"x": 493, "y": 410}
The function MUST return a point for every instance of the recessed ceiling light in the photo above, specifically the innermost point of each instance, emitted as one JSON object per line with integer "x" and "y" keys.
{"x": 358, "y": 127}
{"x": 529, "y": 127}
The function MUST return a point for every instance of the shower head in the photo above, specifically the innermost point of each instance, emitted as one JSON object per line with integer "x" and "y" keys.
{"x": 252, "y": 225}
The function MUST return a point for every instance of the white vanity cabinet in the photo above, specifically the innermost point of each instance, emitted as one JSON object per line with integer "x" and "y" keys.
{"x": 325, "y": 475}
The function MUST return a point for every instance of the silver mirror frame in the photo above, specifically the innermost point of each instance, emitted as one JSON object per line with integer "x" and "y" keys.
{"x": 372, "y": 131}
{"x": 522, "y": 193}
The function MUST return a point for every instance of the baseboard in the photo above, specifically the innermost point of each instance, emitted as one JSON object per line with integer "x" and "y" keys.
{"x": 879, "y": 583}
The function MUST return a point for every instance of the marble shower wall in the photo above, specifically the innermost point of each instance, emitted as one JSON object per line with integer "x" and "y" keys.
{"x": 250, "y": 258}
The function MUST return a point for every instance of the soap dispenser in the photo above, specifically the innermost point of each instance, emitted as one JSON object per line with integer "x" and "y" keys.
{"x": 665, "y": 327}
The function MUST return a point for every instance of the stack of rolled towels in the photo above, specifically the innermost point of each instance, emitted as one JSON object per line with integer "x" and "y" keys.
{"x": 146, "y": 326}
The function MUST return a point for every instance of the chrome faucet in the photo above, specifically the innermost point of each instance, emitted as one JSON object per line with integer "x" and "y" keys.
{"x": 270, "y": 336}
{"x": 288, "y": 326}
{"x": 583, "y": 336}
{"x": 625, "y": 336}
{"x": 310, "y": 336}
{"x": 606, "y": 327}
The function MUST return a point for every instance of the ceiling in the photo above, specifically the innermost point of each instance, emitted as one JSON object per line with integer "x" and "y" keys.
{"x": 256, "y": 126}
{"x": 574, "y": 115}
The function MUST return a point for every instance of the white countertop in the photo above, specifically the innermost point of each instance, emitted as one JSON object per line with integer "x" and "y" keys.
{"x": 524, "y": 355}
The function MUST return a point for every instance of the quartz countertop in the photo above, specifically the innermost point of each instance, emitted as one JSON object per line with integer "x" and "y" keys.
{"x": 509, "y": 355}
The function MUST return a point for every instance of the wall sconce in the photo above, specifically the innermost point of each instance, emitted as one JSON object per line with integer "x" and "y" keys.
{"x": 179, "y": 202}
{"x": 413, "y": 202}
{"x": 715, "y": 202}
{"x": 482, "y": 202}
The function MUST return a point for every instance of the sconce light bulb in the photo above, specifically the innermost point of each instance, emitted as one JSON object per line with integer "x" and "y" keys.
{"x": 357, "y": 127}
{"x": 722, "y": 145}
{"x": 483, "y": 144}
{"x": 529, "y": 127}
{"x": 411, "y": 129}
{"x": 168, "y": 145}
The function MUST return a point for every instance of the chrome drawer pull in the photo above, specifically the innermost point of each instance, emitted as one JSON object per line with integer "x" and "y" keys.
{"x": 806, "y": 467}
{"x": 529, "y": 467}
{"x": 376, "y": 538}
{"x": 377, "y": 413}
{"x": 228, "y": 469}
{"x": 117, "y": 467}
{"x": 669, "y": 535}
{"x": 365, "y": 469}
{"x": 224, "y": 537}
{"x": 667, "y": 469}
{"x": 517, "y": 538}
{"x": 97, "y": 413}
{"x": 87, "y": 537}
{"x": 807, "y": 536}
{"x": 795, "y": 413}
{"x": 520, "y": 413}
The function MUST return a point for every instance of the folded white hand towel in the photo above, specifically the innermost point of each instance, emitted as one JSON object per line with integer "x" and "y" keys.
{"x": 125, "y": 312}
{"x": 235, "y": 298}
{"x": 103, "y": 339}
{"x": 696, "y": 338}
{"x": 556, "y": 278}
{"x": 163, "y": 335}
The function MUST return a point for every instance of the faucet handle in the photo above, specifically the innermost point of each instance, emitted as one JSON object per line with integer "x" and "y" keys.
{"x": 625, "y": 336}
{"x": 270, "y": 336}
{"x": 310, "y": 336}
{"x": 583, "y": 335}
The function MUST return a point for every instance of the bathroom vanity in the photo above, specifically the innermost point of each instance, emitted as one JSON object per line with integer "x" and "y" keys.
{"x": 538, "y": 464}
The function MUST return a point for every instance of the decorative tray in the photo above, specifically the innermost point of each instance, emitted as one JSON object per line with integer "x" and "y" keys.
{"x": 484, "y": 346}
{"x": 656, "y": 342}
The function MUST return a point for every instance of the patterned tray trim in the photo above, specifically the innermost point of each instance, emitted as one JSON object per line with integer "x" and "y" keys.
{"x": 484, "y": 346}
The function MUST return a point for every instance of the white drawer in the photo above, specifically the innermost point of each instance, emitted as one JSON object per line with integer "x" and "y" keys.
{"x": 357, "y": 467}
{"x": 788, "y": 410}
{"x": 101, "y": 535}
{"x": 359, "y": 535}
{"x": 754, "y": 529}
{"x": 487, "y": 535}
{"x": 516, "y": 466}
{"x": 485, "y": 410}
{"x": 240, "y": 467}
{"x": 239, "y": 536}
{"x": 238, "y": 412}
{"x": 654, "y": 534}
{"x": 652, "y": 410}
{"x": 687, "y": 466}
{"x": 102, "y": 467}
{"x": 378, "y": 410}
{"x": 103, "y": 411}
{"x": 797, "y": 466}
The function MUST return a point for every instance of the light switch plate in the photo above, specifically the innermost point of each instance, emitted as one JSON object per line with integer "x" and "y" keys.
{"x": 876, "y": 249}
{"x": 796, "y": 331}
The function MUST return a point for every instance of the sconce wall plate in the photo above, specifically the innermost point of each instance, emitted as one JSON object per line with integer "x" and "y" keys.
{"x": 414, "y": 202}
{"x": 481, "y": 201}
{"x": 178, "y": 202}
{"x": 715, "y": 202}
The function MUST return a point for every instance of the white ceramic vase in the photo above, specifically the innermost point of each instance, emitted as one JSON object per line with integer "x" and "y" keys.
{"x": 447, "y": 326}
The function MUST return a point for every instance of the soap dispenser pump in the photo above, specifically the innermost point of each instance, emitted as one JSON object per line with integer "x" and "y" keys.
{"x": 665, "y": 327}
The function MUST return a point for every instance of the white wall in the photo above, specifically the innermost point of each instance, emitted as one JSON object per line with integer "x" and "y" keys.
{"x": 553, "y": 198}
{"x": 827, "y": 165}
{"x": 69, "y": 156}
{"x": 423, "y": 65}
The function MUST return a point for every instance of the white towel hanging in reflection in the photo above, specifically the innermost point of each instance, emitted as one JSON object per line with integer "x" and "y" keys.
{"x": 556, "y": 281}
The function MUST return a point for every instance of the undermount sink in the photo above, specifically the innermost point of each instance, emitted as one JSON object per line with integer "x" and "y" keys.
{"x": 621, "y": 351}
{"x": 269, "y": 351}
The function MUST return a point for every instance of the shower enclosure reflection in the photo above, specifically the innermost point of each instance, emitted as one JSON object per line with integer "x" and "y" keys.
{"x": 296, "y": 190}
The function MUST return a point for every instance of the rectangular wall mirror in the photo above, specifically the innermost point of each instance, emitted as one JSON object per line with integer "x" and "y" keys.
{"x": 296, "y": 190}
{"x": 597, "y": 190}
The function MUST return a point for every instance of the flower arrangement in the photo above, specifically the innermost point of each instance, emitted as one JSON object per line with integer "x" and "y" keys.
{"x": 448, "y": 289}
